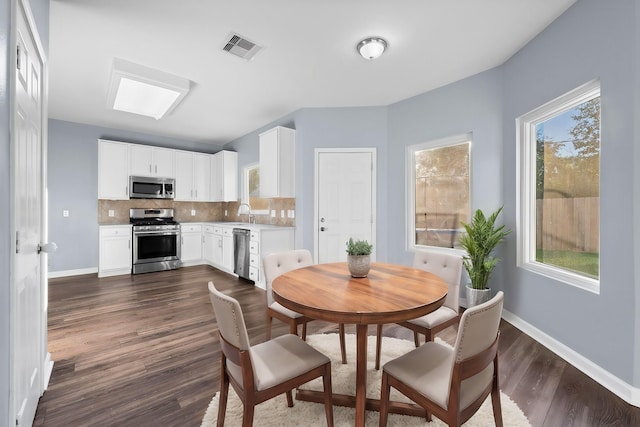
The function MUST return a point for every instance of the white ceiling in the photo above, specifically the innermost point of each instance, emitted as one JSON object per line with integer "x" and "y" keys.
{"x": 309, "y": 57}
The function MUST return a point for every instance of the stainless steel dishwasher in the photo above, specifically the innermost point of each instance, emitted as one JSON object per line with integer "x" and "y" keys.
{"x": 241, "y": 238}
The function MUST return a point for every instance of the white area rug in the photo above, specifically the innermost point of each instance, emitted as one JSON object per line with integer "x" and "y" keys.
{"x": 275, "y": 412}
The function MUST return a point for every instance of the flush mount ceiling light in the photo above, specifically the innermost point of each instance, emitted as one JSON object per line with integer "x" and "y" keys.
{"x": 372, "y": 47}
{"x": 142, "y": 90}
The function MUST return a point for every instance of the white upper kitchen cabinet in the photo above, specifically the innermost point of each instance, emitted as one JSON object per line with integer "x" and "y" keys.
{"x": 224, "y": 176}
{"x": 277, "y": 162}
{"x": 113, "y": 170}
{"x": 151, "y": 161}
{"x": 192, "y": 176}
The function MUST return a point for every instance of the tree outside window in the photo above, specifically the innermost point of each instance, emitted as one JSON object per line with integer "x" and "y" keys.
{"x": 560, "y": 192}
{"x": 440, "y": 191}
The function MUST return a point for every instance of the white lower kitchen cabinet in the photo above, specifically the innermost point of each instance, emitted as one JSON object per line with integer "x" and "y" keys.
{"x": 227, "y": 249}
{"x": 263, "y": 242}
{"x": 218, "y": 247}
{"x": 191, "y": 244}
{"x": 209, "y": 244}
{"x": 115, "y": 250}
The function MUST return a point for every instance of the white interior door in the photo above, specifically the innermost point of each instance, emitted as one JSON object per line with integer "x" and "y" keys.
{"x": 28, "y": 350}
{"x": 345, "y": 201}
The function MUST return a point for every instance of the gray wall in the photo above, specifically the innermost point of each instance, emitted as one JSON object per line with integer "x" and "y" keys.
{"x": 73, "y": 185}
{"x": 326, "y": 128}
{"x": 593, "y": 39}
{"x": 472, "y": 105}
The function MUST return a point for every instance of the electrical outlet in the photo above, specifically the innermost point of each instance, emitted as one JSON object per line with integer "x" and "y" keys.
{"x": 112, "y": 212}
{"x": 225, "y": 212}
{"x": 282, "y": 213}
{"x": 65, "y": 213}
{"x": 193, "y": 212}
{"x": 273, "y": 214}
{"x": 293, "y": 213}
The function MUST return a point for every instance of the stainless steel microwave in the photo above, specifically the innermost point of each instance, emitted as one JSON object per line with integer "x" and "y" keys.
{"x": 148, "y": 187}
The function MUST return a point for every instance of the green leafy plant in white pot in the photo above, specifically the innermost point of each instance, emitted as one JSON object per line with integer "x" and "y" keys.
{"x": 481, "y": 238}
{"x": 359, "y": 257}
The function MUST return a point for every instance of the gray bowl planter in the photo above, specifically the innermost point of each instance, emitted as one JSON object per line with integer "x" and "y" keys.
{"x": 359, "y": 265}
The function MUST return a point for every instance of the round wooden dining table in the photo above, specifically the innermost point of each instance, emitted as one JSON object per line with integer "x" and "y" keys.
{"x": 390, "y": 293}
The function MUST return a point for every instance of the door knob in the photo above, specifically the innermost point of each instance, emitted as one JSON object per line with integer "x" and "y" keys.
{"x": 323, "y": 228}
{"x": 47, "y": 248}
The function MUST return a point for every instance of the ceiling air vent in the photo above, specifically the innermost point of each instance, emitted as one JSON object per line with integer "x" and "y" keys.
{"x": 241, "y": 46}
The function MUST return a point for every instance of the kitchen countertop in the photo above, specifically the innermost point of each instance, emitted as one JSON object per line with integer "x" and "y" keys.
{"x": 244, "y": 225}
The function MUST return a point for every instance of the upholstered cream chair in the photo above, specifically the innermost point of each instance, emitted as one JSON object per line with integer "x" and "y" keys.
{"x": 448, "y": 267}
{"x": 451, "y": 383}
{"x": 278, "y": 263}
{"x": 263, "y": 371}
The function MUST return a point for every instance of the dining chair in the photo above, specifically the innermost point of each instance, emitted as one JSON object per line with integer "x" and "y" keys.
{"x": 278, "y": 263}
{"x": 449, "y": 268}
{"x": 263, "y": 371}
{"x": 451, "y": 383}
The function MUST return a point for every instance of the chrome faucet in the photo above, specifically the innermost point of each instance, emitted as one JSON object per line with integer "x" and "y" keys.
{"x": 242, "y": 211}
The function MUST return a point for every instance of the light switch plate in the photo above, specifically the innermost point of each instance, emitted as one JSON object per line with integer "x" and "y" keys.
{"x": 282, "y": 213}
{"x": 112, "y": 212}
{"x": 273, "y": 214}
{"x": 65, "y": 213}
{"x": 193, "y": 212}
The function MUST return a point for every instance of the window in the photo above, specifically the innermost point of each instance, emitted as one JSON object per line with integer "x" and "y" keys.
{"x": 560, "y": 188}
{"x": 251, "y": 190}
{"x": 439, "y": 186}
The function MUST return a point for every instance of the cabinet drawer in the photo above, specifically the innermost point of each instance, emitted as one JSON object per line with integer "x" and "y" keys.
{"x": 217, "y": 230}
{"x": 115, "y": 231}
{"x": 255, "y": 235}
{"x": 208, "y": 229}
{"x": 190, "y": 228}
{"x": 254, "y": 247}
{"x": 227, "y": 231}
{"x": 254, "y": 274}
{"x": 254, "y": 261}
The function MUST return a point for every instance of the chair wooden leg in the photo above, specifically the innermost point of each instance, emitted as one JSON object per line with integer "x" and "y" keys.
{"x": 304, "y": 331}
{"x": 343, "y": 349}
{"x": 384, "y": 399}
{"x": 328, "y": 404}
{"x": 416, "y": 339}
{"x": 247, "y": 415}
{"x": 378, "y": 345}
{"x": 293, "y": 327}
{"x": 224, "y": 393}
{"x": 269, "y": 321}
{"x": 289, "y": 399}
{"x": 495, "y": 396}
{"x": 429, "y": 335}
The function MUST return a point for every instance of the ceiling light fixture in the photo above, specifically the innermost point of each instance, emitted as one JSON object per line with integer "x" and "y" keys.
{"x": 142, "y": 90}
{"x": 372, "y": 47}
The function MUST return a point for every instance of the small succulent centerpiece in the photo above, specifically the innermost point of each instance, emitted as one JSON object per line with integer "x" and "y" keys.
{"x": 481, "y": 237}
{"x": 359, "y": 257}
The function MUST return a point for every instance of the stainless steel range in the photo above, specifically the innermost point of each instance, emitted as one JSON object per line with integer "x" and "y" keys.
{"x": 156, "y": 240}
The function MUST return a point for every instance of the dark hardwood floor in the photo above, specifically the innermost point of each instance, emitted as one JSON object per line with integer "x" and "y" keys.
{"x": 143, "y": 351}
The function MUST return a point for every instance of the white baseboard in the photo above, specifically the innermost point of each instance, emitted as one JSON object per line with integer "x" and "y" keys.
{"x": 623, "y": 390}
{"x": 66, "y": 273}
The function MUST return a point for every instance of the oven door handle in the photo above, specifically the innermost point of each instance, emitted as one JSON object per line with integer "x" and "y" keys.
{"x": 156, "y": 233}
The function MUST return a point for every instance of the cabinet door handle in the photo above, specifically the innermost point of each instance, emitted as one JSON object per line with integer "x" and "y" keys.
{"x": 323, "y": 228}
{"x": 149, "y": 167}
